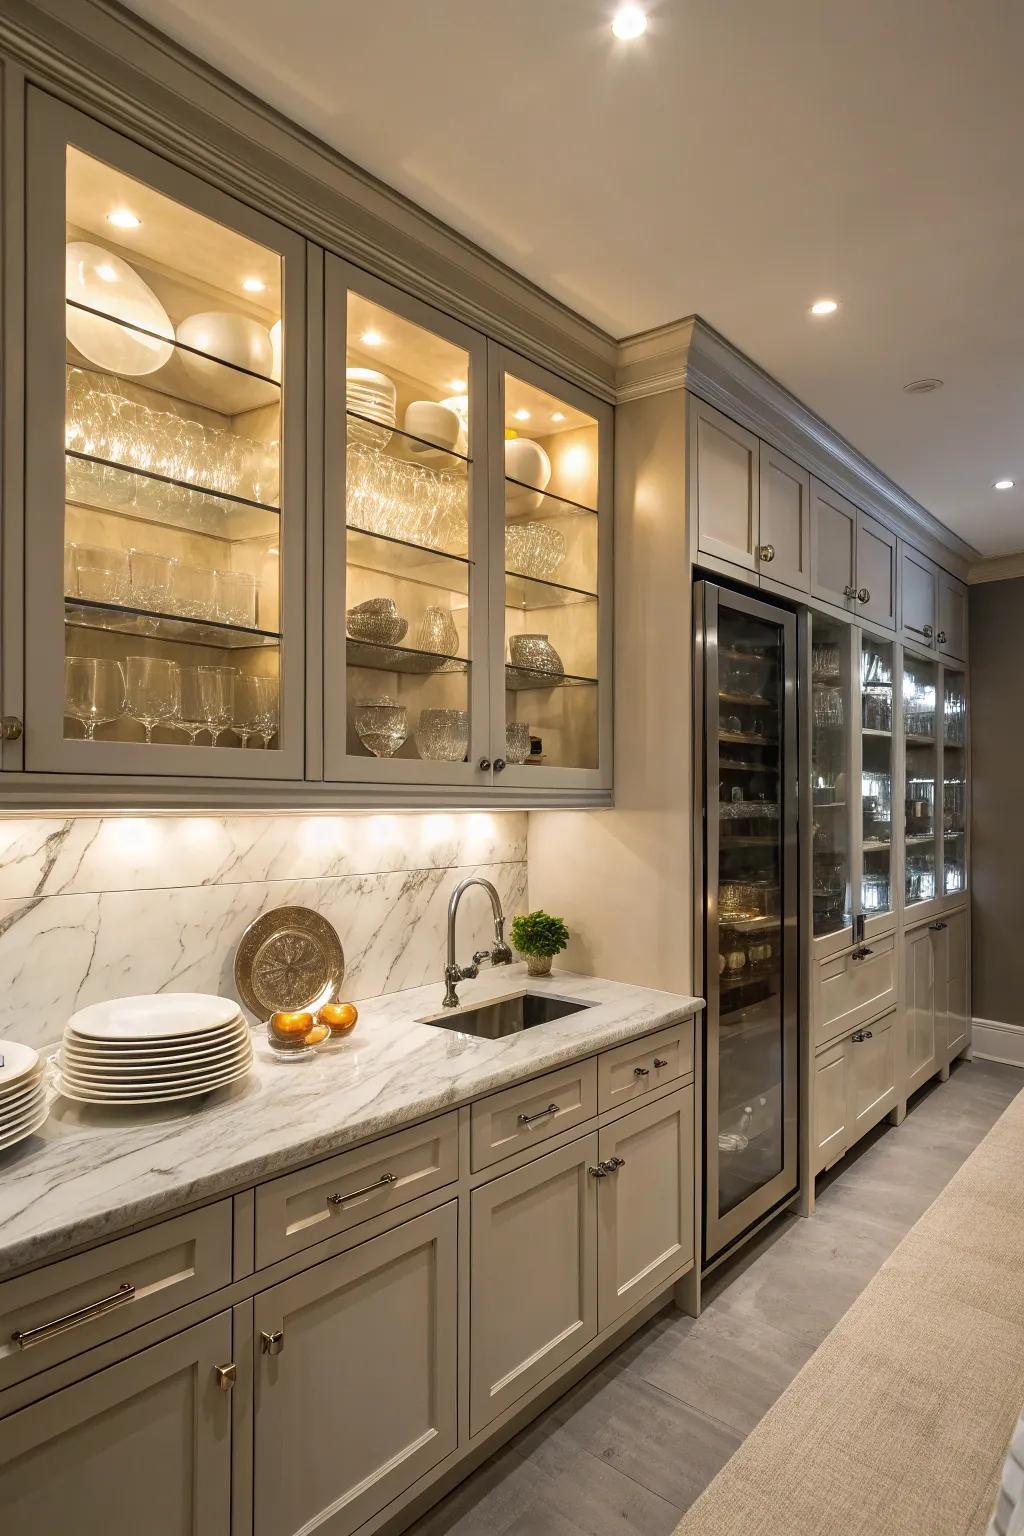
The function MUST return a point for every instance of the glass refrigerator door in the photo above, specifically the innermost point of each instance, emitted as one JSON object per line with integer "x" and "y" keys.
{"x": 876, "y": 749}
{"x": 954, "y": 782}
{"x": 751, "y": 917}
{"x": 920, "y": 776}
{"x": 832, "y": 893}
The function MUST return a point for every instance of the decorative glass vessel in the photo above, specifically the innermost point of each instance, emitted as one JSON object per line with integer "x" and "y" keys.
{"x": 534, "y": 549}
{"x": 442, "y": 735}
{"x": 377, "y": 621}
{"x": 517, "y": 741}
{"x": 437, "y": 633}
{"x": 535, "y": 653}
{"x": 382, "y": 725}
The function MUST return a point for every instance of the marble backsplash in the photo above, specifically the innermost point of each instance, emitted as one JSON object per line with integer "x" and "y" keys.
{"x": 95, "y": 907}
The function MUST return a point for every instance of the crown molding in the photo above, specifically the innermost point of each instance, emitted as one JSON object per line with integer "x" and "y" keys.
{"x": 690, "y": 354}
{"x": 106, "y": 61}
{"x": 997, "y": 568}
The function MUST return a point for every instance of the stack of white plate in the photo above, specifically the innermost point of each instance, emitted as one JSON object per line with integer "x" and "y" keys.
{"x": 149, "y": 1050}
{"x": 22, "y": 1092}
{"x": 373, "y": 396}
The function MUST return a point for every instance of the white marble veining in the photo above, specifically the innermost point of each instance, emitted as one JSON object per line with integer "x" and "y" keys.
{"x": 91, "y": 1173}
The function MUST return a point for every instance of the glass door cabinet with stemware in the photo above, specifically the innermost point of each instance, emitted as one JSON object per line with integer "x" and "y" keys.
{"x": 164, "y": 471}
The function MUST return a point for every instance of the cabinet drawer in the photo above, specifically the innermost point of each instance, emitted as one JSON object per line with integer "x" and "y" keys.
{"x": 532, "y": 1112}
{"x": 80, "y": 1302}
{"x": 631, "y": 1070}
{"x": 303, "y": 1208}
{"x": 848, "y": 991}
{"x": 872, "y": 1054}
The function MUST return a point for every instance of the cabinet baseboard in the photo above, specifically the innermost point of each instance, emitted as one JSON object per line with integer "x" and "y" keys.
{"x": 994, "y": 1041}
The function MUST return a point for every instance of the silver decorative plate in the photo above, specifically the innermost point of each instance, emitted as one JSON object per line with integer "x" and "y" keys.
{"x": 288, "y": 959}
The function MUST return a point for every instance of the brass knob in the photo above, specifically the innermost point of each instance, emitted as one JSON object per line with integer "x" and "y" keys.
{"x": 226, "y": 1375}
{"x": 11, "y": 728}
{"x": 272, "y": 1343}
{"x": 767, "y": 553}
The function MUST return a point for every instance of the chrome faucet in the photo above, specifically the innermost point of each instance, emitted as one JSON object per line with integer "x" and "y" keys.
{"x": 499, "y": 955}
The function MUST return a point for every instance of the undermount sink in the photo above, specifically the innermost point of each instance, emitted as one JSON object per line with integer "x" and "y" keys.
{"x": 507, "y": 1015}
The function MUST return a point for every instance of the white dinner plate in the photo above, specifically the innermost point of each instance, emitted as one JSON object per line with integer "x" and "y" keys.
{"x": 129, "y": 1081}
{"x": 12, "y": 1103}
{"x": 29, "y": 1112}
{"x": 202, "y": 1049}
{"x": 148, "y": 1098}
{"x": 162, "y": 1016}
{"x": 19, "y": 1061}
{"x": 11, "y": 1139}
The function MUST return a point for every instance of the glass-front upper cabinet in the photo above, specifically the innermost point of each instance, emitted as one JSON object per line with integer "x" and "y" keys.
{"x": 551, "y": 473}
{"x": 831, "y": 783}
{"x": 164, "y": 475}
{"x": 920, "y": 779}
{"x": 954, "y": 782}
{"x": 405, "y": 539}
{"x": 877, "y": 897}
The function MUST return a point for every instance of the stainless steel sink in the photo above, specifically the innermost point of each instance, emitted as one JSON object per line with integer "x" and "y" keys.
{"x": 507, "y": 1015}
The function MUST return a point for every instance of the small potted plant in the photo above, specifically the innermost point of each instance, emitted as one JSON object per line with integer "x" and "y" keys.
{"x": 539, "y": 936}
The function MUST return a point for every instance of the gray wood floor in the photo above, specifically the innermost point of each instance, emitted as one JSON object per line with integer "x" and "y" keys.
{"x": 634, "y": 1443}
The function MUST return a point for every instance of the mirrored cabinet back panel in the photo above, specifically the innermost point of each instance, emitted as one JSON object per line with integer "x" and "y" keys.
{"x": 292, "y": 535}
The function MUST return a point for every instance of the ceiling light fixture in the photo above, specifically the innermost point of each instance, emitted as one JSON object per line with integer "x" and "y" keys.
{"x": 371, "y": 338}
{"x": 457, "y": 386}
{"x": 1003, "y": 485}
{"x": 922, "y": 386}
{"x": 628, "y": 22}
{"x": 557, "y": 415}
{"x": 521, "y": 415}
{"x": 824, "y": 306}
{"x": 253, "y": 284}
{"x": 123, "y": 218}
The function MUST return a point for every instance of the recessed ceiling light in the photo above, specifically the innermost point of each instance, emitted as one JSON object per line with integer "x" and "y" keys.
{"x": 824, "y": 306}
{"x": 253, "y": 284}
{"x": 107, "y": 272}
{"x": 371, "y": 338}
{"x": 457, "y": 386}
{"x": 1004, "y": 485}
{"x": 521, "y": 415}
{"x": 922, "y": 386}
{"x": 557, "y": 415}
{"x": 123, "y": 218}
{"x": 628, "y": 22}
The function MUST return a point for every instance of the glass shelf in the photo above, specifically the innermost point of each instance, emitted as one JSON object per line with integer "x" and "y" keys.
{"x": 172, "y": 341}
{"x": 400, "y": 658}
{"x": 145, "y": 495}
{"x": 410, "y": 449}
{"x": 520, "y": 680}
{"x": 530, "y": 592}
{"x": 754, "y": 699}
{"x": 144, "y": 623}
{"x": 539, "y": 504}
{"x": 406, "y": 560}
{"x": 747, "y": 741}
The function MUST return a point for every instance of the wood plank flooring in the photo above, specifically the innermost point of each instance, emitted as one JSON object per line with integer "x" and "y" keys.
{"x": 632, "y": 1445}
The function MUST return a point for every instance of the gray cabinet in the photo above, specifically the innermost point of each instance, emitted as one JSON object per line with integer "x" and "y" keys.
{"x": 534, "y": 1275}
{"x": 877, "y": 583}
{"x": 833, "y": 547}
{"x": 855, "y": 1084}
{"x": 957, "y": 1015}
{"x": 919, "y": 1005}
{"x": 831, "y": 1135}
{"x": 356, "y": 1379}
{"x": 724, "y": 486}
{"x": 918, "y": 596}
{"x": 784, "y": 539}
{"x": 143, "y": 1446}
{"x": 951, "y": 630}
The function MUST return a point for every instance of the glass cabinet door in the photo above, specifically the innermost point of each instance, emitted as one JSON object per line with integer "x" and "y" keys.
{"x": 405, "y": 566}
{"x": 954, "y": 782}
{"x": 920, "y": 778}
{"x": 172, "y": 642}
{"x": 876, "y": 772}
{"x": 831, "y": 798}
{"x": 551, "y": 714}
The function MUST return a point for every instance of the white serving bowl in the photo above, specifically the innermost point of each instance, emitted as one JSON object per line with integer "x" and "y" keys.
{"x": 526, "y": 462}
{"x": 103, "y": 281}
{"x": 236, "y": 339}
{"x": 434, "y": 423}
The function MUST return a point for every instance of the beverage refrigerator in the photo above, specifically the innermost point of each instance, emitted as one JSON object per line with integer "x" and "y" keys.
{"x": 747, "y": 860}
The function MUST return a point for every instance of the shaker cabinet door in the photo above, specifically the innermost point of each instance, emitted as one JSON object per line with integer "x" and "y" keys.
{"x": 833, "y": 547}
{"x": 784, "y": 541}
{"x": 831, "y": 1106}
{"x": 143, "y": 1446}
{"x": 355, "y": 1392}
{"x": 918, "y": 596}
{"x": 725, "y": 486}
{"x": 919, "y": 981}
{"x": 872, "y": 1074}
{"x": 534, "y": 1275}
{"x": 951, "y": 633}
{"x": 876, "y": 572}
{"x": 644, "y": 1202}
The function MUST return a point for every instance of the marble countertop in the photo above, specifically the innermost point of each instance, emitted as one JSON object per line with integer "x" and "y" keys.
{"x": 91, "y": 1173}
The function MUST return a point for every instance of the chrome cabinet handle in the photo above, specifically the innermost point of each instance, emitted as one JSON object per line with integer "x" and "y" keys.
{"x": 938, "y": 927}
{"x": 660, "y": 1062}
{"x": 849, "y": 591}
{"x": 367, "y": 1189}
{"x": 862, "y": 1034}
{"x": 499, "y": 765}
{"x": 26, "y": 1337}
{"x": 863, "y": 595}
{"x": 927, "y": 631}
{"x": 485, "y": 765}
{"x": 11, "y": 728}
{"x": 226, "y": 1375}
{"x": 941, "y": 637}
{"x": 552, "y": 1109}
{"x": 766, "y": 552}
{"x": 861, "y": 952}
{"x": 272, "y": 1343}
{"x": 641, "y": 1071}
{"x": 613, "y": 1164}
{"x": 598, "y": 1172}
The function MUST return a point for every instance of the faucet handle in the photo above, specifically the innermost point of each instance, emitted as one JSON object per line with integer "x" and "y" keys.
{"x": 501, "y": 954}
{"x": 480, "y": 956}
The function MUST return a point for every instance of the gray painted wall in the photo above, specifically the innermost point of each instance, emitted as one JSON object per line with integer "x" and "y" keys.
{"x": 997, "y": 759}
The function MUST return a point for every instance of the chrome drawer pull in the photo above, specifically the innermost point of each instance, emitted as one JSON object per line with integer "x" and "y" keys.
{"x": 641, "y": 1071}
{"x": 938, "y": 927}
{"x": 226, "y": 1375}
{"x": 367, "y": 1189}
{"x": 613, "y": 1164}
{"x": 272, "y": 1343}
{"x": 26, "y": 1337}
{"x": 861, "y": 952}
{"x": 600, "y": 1172}
{"x": 660, "y": 1062}
{"x": 541, "y": 1114}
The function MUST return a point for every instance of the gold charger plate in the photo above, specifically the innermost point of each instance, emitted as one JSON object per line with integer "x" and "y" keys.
{"x": 288, "y": 959}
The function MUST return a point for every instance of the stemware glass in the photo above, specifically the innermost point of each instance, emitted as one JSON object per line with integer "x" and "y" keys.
{"x": 153, "y": 689}
{"x": 269, "y": 708}
{"x": 93, "y": 691}
{"x": 217, "y": 698}
{"x": 191, "y": 719}
{"x": 255, "y": 707}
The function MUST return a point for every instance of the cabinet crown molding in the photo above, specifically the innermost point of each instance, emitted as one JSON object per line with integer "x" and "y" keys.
{"x": 690, "y": 354}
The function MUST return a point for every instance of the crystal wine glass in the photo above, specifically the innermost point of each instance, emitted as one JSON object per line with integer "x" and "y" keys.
{"x": 217, "y": 697}
{"x": 270, "y": 709}
{"x": 153, "y": 688}
{"x": 93, "y": 691}
{"x": 249, "y": 694}
{"x": 191, "y": 719}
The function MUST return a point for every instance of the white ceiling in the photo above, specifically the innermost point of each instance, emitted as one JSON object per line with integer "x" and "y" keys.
{"x": 739, "y": 161}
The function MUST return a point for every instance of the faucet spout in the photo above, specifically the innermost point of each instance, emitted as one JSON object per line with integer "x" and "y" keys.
{"x": 500, "y": 954}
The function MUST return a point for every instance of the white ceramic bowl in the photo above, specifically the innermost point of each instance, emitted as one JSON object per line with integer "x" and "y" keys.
{"x": 103, "y": 281}
{"x": 238, "y": 340}
{"x": 436, "y": 424}
{"x": 527, "y": 463}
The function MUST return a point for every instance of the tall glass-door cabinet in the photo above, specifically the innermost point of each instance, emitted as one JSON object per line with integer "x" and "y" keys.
{"x": 164, "y": 470}
{"x": 954, "y": 783}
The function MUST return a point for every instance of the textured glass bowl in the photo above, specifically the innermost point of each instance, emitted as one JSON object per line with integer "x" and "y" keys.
{"x": 517, "y": 741}
{"x": 535, "y": 653}
{"x": 382, "y": 725}
{"x": 442, "y": 735}
{"x": 534, "y": 549}
{"x": 377, "y": 621}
